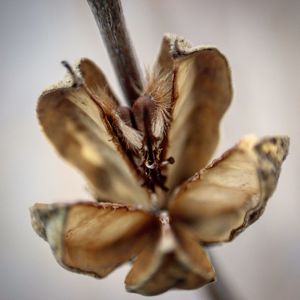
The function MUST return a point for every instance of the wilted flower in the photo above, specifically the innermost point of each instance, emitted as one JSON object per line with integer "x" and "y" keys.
{"x": 159, "y": 202}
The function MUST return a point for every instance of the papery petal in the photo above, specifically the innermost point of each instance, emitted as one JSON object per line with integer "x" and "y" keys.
{"x": 171, "y": 260}
{"x": 95, "y": 80}
{"x": 92, "y": 238}
{"x": 222, "y": 200}
{"x": 80, "y": 131}
{"x": 202, "y": 93}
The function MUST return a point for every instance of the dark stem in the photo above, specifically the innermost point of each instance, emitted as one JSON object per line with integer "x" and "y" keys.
{"x": 220, "y": 290}
{"x": 111, "y": 23}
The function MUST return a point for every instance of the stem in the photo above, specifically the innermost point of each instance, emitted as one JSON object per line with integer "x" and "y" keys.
{"x": 111, "y": 23}
{"x": 220, "y": 289}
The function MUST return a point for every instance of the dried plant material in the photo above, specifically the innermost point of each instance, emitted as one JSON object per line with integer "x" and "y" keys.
{"x": 92, "y": 238}
{"x": 173, "y": 259}
{"x": 202, "y": 93}
{"x": 159, "y": 201}
{"x": 78, "y": 127}
{"x": 223, "y": 199}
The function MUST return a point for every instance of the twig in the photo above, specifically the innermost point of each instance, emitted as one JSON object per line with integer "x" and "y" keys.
{"x": 111, "y": 23}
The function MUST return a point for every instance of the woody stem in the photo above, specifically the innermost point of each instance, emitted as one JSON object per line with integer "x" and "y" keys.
{"x": 110, "y": 20}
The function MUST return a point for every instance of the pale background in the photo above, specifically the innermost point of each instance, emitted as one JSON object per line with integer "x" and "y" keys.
{"x": 261, "y": 40}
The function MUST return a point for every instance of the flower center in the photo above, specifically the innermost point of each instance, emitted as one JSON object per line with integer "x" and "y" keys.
{"x": 145, "y": 117}
{"x": 151, "y": 162}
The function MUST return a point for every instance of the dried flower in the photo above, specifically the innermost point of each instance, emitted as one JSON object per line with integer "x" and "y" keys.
{"x": 158, "y": 201}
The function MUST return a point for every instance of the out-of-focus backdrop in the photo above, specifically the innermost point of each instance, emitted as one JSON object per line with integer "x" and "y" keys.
{"x": 261, "y": 39}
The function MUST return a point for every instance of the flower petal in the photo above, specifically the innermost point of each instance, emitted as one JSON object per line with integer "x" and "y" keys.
{"x": 170, "y": 261}
{"x": 80, "y": 131}
{"x": 202, "y": 93}
{"x": 95, "y": 80}
{"x": 92, "y": 238}
{"x": 222, "y": 200}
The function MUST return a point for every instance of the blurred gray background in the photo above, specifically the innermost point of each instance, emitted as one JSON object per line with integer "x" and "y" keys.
{"x": 261, "y": 40}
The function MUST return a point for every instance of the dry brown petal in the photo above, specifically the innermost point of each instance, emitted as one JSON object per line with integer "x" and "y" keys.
{"x": 95, "y": 80}
{"x": 92, "y": 238}
{"x": 223, "y": 199}
{"x": 202, "y": 93}
{"x": 81, "y": 133}
{"x": 127, "y": 154}
{"x": 171, "y": 260}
